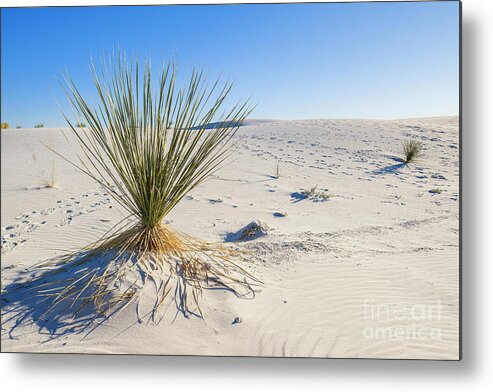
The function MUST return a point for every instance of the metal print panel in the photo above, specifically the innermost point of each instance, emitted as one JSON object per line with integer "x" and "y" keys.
{"x": 271, "y": 180}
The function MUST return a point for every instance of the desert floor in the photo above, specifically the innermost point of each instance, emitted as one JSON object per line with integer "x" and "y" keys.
{"x": 373, "y": 271}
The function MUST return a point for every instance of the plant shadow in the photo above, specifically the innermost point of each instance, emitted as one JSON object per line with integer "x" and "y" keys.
{"x": 76, "y": 293}
{"x": 392, "y": 169}
{"x": 44, "y": 297}
{"x": 296, "y": 197}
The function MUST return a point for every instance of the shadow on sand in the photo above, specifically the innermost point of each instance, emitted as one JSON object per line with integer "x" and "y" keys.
{"x": 296, "y": 197}
{"x": 392, "y": 169}
{"x": 76, "y": 293}
{"x": 44, "y": 297}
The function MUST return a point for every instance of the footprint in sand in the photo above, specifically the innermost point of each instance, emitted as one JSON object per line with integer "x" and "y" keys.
{"x": 65, "y": 221}
{"x": 24, "y": 216}
{"x": 47, "y": 211}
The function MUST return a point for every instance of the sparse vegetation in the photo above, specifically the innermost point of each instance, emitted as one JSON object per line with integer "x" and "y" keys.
{"x": 18, "y": 127}
{"x": 412, "y": 150}
{"x": 148, "y": 167}
{"x": 81, "y": 125}
{"x": 253, "y": 230}
{"x": 40, "y": 125}
{"x": 277, "y": 171}
{"x": 5, "y": 125}
{"x": 47, "y": 178}
{"x": 313, "y": 193}
{"x": 435, "y": 191}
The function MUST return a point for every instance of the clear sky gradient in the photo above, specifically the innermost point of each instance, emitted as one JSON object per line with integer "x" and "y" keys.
{"x": 296, "y": 61}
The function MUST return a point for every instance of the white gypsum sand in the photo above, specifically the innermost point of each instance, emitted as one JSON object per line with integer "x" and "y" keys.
{"x": 361, "y": 256}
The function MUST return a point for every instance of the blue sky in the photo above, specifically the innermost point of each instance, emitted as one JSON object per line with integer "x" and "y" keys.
{"x": 296, "y": 61}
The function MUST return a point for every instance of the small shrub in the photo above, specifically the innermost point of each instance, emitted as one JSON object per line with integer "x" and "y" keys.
{"x": 309, "y": 192}
{"x": 412, "y": 150}
{"x": 314, "y": 194}
{"x": 40, "y": 125}
{"x": 81, "y": 125}
{"x": 5, "y": 125}
{"x": 18, "y": 127}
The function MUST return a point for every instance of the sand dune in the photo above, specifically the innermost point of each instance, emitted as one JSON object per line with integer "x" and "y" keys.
{"x": 366, "y": 266}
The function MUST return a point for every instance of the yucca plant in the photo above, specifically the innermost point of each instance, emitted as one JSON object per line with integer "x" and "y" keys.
{"x": 148, "y": 147}
{"x": 412, "y": 150}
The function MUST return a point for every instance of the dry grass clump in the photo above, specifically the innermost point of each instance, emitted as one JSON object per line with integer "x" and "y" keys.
{"x": 5, "y": 125}
{"x": 277, "y": 171}
{"x": 132, "y": 150}
{"x": 313, "y": 193}
{"x": 48, "y": 178}
{"x": 110, "y": 275}
{"x": 412, "y": 150}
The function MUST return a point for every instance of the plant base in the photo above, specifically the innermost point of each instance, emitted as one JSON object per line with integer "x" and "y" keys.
{"x": 113, "y": 273}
